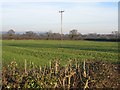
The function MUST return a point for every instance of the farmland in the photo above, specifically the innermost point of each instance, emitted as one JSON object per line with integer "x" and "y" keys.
{"x": 42, "y": 51}
{"x": 59, "y": 64}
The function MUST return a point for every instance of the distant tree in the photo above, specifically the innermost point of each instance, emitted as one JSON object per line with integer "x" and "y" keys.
{"x": 49, "y": 35}
{"x": 29, "y": 33}
{"x": 74, "y": 34}
{"x": 57, "y": 36}
{"x": 92, "y": 35}
{"x": 11, "y": 32}
{"x": 116, "y": 34}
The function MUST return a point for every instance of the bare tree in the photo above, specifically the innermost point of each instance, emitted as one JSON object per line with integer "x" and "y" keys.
{"x": 11, "y": 34}
{"x": 49, "y": 35}
{"x": 30, "y": 35}
{"x": 74, "y": 34}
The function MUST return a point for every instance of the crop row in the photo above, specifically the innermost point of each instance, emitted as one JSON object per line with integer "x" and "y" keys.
{"x": 45, "y": 54}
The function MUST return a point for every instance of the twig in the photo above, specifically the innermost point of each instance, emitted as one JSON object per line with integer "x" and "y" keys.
{"x": 25, "y": 66}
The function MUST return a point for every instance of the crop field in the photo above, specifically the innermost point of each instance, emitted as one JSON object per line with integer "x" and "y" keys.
{"x": 59, "y": 64}
{"x": 41, "y": 52}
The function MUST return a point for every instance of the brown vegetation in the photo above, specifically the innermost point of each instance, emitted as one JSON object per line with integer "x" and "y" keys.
{"x": 87, "y": 74}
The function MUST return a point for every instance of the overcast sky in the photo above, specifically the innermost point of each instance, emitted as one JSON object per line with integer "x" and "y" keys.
{"x": 86, "y": 17}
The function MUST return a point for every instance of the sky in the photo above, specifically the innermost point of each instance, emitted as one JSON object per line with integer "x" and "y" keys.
{"x": 86, "y": 17}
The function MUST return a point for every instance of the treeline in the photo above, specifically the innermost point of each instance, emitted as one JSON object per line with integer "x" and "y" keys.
{"x": 73, "y": 35}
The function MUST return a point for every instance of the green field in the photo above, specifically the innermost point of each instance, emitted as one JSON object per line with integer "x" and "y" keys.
{"x": 41, "y": 52}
